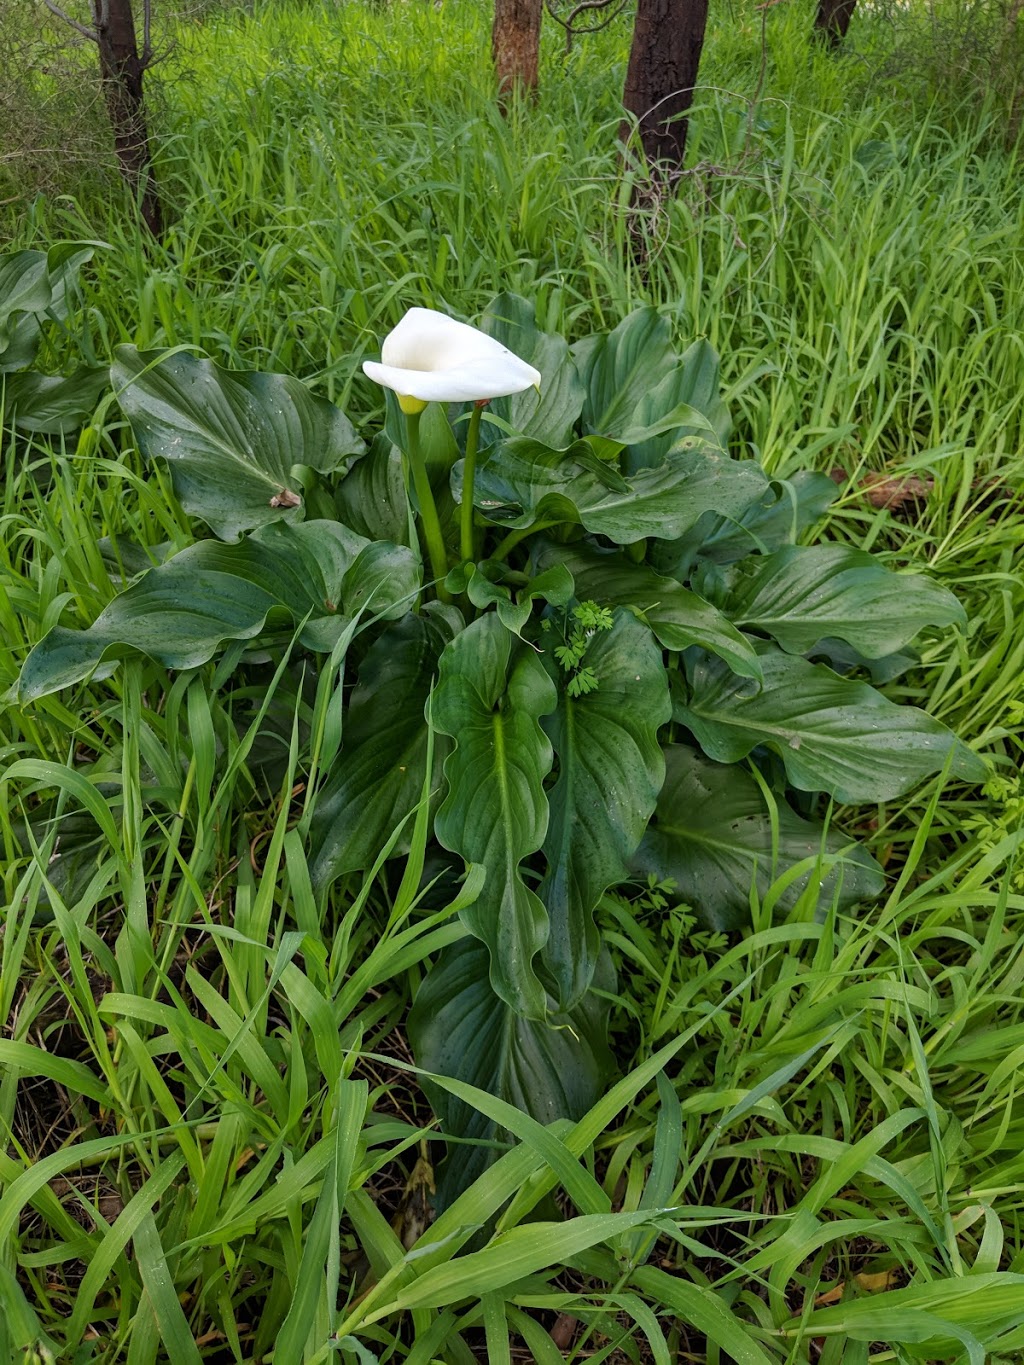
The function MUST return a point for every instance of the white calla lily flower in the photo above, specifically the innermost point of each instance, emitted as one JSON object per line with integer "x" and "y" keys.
{"x": 431, "y": 358}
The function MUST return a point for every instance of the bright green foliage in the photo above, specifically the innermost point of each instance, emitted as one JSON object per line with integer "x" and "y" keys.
{"x": 222, "y": 883}
{"x": 546, "y": 692}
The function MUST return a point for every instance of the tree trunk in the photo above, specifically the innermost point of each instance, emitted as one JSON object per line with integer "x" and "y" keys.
{"x": 667, "y": 40}
{"x": 515, "y": 43}
{"x": 833, "y": 19}
{"x": 121, "y": 69}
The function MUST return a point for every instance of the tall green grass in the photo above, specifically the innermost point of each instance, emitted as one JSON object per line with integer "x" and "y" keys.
{"x": 213, "y": 1145}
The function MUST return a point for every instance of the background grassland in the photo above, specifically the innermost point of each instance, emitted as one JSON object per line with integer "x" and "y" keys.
{"x": 201, "y": 1064}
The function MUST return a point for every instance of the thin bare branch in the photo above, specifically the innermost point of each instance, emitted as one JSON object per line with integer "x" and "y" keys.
{"x": 569, "y": 23}
{"x": 147, "y": 46}
{"x": 89, "y": 33}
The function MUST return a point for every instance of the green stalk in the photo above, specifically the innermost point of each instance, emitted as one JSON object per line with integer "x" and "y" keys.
{"x": 468, "y": 477}
{"x": 428, "y": 508}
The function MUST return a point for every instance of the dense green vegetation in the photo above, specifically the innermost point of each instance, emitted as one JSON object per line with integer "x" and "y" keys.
{"x": 215, "y": 1147}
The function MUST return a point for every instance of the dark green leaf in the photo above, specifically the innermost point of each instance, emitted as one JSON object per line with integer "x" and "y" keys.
{"x": 610, "y": 771}
{"x": 678, "y": 617}
{"x": 714, "y": 836}
{"x": 54, "y": 404}
{"x": 786, "y": 508}
{"x": 180, "y": 612}
{"x": 24, "y": 288}
{"x": 371, "y": 498}
{"x": 833, "y": 735}
{"x": 689, "y": 396}
{"x": 551, "y": 414}
{"x": 34, "y": 288}
{"x": 550, "y": 1069}
{"x": 377, "y": 779}
{"x": 232, "y": 440}
{"x": 521, "y": 482}
{"x": 804, "y": 594}
{"x": 496, "y": 812}
{"x": 620, "y": 368}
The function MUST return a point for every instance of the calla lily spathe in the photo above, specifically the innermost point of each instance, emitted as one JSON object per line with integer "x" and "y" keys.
{"x": 432, "y": 358}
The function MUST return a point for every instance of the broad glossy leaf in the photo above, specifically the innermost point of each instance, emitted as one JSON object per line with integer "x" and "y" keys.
{"x": 786, "y": 508}
{"x": 610, "y": 770}
{"x": 621, "y": 367}
{"x": 804, "y": 594}
{"x": 550, "y": 415}
{"x": 34, "y": 288}
{"x": 833, "y": 735}
{"x": 714, "y": 836}
{"x": 182, "y": 611}
{"x": 550, "y": 1069}
{"x": 232, "y": 439}
{"x": 521, "y": 482}
{"x": 54, "y": 404}
{"x": 678, "y": 617}
{"x": 693, "y": 384}
{"x": 24, "y": 288}
{"x": 371, "y": 497}
{"x": 490, "y": 702}
{"x": 377, "y": 779}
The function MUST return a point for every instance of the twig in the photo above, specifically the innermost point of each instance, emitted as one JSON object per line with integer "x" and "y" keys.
{"x": 89, "y": 33}
{"x": 147, "y": 47}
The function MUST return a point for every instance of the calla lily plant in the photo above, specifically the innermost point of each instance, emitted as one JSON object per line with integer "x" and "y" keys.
{"x": 636, "y": 661}
{"x": 431, "y": 358}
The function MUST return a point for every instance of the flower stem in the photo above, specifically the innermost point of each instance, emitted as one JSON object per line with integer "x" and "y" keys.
{"x": 468, "y": 476}
{"x": 428, "y": 508}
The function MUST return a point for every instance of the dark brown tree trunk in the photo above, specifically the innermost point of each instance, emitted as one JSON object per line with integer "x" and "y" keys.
{"x": 515, "y": 43}
{"x": 667, "y": 40}
{"x": 833, "y": 19}
{"x": 121, "y": 68}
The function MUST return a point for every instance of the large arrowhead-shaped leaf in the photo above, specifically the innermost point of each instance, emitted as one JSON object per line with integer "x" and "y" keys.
{"x": 24, "y": 288}
{"x": 610, "y": 771}
{"x": 182, "y": 611}
{"x": 551, "y": 414}
{"x": 634, "y": 378}
{"x": 377, "y": 779}
{"x": 496, "y": 811}
{"x": 804, "y": 594}
{"x": 715, "y": 837}
{"x": 550, "y": 1069}
{"x": 371, "y": 498}
{"x": 34, "y": 287}
{"x": 833, "y": 735}
{"x": 54, "y": 404}
{"x": 690, "y": 390}
{"x": 621, "y": 367}
{"x": 786, "y": 508}
{"x": 232, "y": 439}
{"x": 678, "y": 617}
{"x": 521, "y": 482}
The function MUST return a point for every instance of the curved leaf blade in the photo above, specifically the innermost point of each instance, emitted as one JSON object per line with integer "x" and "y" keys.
{"x": 522, "y": 482}
{"x": 377, "y": 779}
{"x": 610, "y": 770}
{"x": 714, "y": 836}
{"x": 802, "y": 595}
{"x": 231, "y": 438}
{"x": 496, "y": 812}
{"x": 549, "y": 1069}
{"x": 181, "y": 612}
{"x": 550, "y": 415}
{"x": 833, "y": 735}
